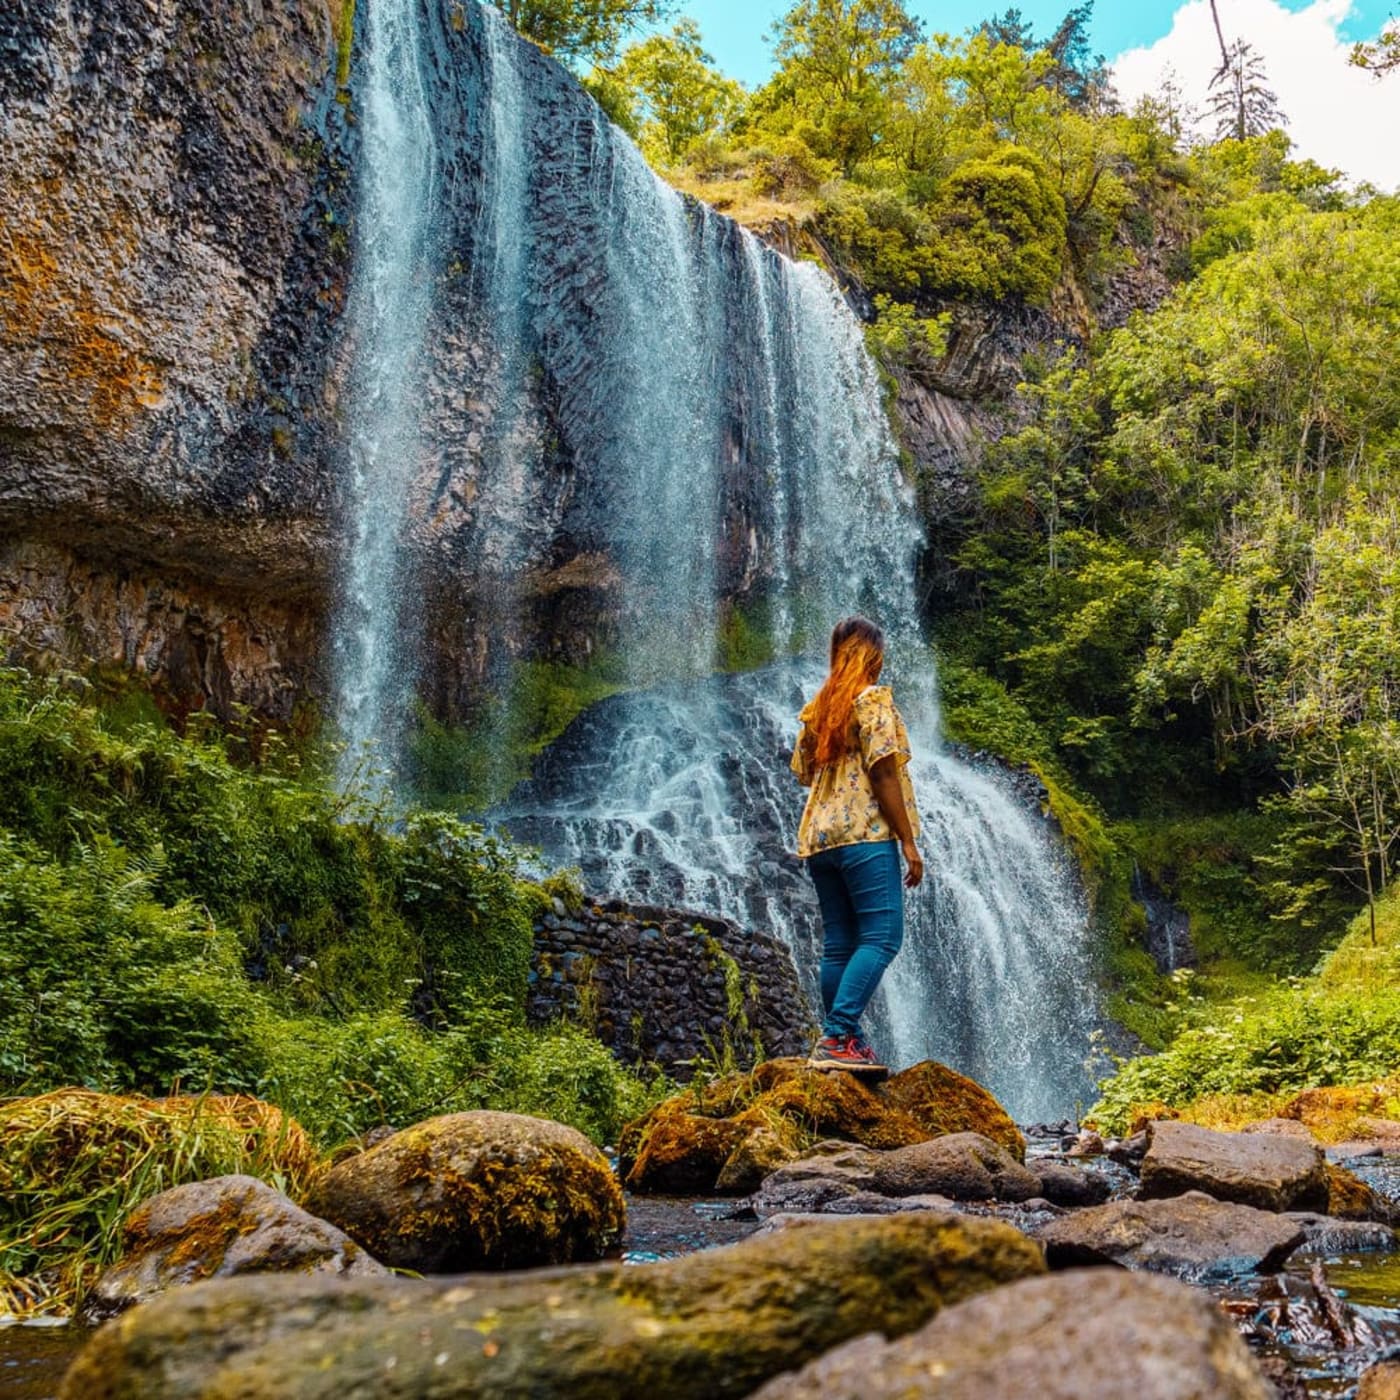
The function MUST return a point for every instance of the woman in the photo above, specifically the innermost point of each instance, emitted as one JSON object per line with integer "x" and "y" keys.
{"x": 853, "y": 751}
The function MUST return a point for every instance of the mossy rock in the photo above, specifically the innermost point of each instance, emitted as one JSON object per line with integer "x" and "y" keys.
{"x": 688, "y": 1142}
{"x": 220, "y": 1228}
{"x": 682, "y": 1152}
{"x": 1350, "y": 1198}
{"x": 477, "y": 1190}
{"x": 942, "y": 1101}
{"x": 710, "y": 1326}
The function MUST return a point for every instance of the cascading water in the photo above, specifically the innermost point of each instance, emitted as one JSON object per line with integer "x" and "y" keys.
{"x": 390, "y": 302}
{"x": 723, "y": 438}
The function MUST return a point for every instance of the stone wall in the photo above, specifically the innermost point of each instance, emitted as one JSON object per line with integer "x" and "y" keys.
{"x": 668, "y": 986}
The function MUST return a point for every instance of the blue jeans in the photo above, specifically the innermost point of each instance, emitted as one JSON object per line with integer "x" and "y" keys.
{"x": 861, "y": 892}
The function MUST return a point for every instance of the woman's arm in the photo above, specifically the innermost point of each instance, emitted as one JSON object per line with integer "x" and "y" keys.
{"x": 884, "y": 780}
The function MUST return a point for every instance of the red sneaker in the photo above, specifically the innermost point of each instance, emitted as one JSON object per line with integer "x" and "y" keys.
{"x": 836, "y": 1052}
{"x": 863, "y": 1048}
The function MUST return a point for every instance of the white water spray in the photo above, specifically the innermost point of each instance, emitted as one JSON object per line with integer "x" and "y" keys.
{"x": 391, "y": 298}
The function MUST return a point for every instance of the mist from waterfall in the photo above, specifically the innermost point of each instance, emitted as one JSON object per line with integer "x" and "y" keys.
{"x": 391, "y": 297}
{"x": 715, "y": 403}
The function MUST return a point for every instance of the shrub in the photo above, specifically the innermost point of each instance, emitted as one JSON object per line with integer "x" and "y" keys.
{"x": 102, "y": 985}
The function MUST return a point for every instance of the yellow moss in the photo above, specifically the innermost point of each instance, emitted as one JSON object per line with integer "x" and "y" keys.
{"x": 682, "y": 1139}
{"x": 343, "y": 31}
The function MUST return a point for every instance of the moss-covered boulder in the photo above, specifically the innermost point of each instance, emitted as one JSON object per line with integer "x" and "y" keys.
{"x": 710, "y": 1326}
{"x": 696, "y": 1140}
{"x": 1350, "y": 1198}
{"x": 477, "y": 1190}
{"x": 944, "y": 1101}
{"x": 221, "y": 1228}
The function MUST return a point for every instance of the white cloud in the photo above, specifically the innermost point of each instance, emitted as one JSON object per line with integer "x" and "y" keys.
{"x": 1338, "y": 115}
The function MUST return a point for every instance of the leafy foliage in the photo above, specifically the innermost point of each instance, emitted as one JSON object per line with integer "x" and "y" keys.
{"x": 171, "y": 918}
{"x": 1338, "y": 1026}
{"x": 581, "y": 29}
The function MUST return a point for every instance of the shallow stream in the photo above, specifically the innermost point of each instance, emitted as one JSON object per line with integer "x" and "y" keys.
{"x": 1281, "y": 1315}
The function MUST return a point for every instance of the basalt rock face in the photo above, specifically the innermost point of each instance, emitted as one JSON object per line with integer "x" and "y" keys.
{"x": 172, "y": 252}
{"x": 183, "y": 236}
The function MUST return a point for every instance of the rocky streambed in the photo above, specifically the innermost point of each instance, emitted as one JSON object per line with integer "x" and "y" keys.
{"x": 786, "y": 1233}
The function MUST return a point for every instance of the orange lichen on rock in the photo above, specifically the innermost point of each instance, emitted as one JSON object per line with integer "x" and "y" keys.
{"x": 694, "y": 1141}
{"x": 78, "y": 346}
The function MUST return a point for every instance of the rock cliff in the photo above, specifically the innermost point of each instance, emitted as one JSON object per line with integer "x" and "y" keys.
{"x": 173, "y": 203}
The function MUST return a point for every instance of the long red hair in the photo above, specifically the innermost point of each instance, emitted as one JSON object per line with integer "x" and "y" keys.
{"x": 857, "y": 654}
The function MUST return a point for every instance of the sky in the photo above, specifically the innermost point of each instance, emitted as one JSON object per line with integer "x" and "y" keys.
{"x": 1339, "y": 116}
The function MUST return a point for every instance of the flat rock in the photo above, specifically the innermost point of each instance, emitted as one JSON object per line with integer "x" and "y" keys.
{"x": 1192, "y": 1236}
{"x": 711, "y": 1326}
{"x": 220, "y": 1228}
{"x": 1326, "y": 1234}
{"x": 962, "y": 1166}
{"x": 1263, "y": 1170}
{"x": 1091, "y": 1335}
{"x": 1064, "y": 1185}
{"x": 477, "y": 1190}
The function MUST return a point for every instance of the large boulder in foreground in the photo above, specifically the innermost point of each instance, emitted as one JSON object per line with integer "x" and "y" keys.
{"x": 1095, "y": 1335}
{"x": 477, "y": 1191}
{"x": 703, "y": 1139}
{"x": 709, "y": 1326}
{"x": 1254, "y": 1169}
{"x": 1192, "y": 1236}
{"x": 220, "y": 1228}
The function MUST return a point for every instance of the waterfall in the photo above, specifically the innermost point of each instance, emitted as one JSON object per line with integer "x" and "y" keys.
{"x": 390, "y": 300}
{"x": 657, "y": 389}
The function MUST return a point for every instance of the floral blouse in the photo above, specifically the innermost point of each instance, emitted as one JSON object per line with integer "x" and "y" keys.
{"x": 841, "y": 808}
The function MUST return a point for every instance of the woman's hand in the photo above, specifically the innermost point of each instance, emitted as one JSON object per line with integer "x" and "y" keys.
{"x": 913, "y": 864}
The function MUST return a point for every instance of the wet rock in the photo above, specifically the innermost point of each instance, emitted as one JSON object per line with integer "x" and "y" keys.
{"x": 1269, "y": 1172}
{"x": 1380, "y": 1382}
{"x": 962, "y": 1166}
{"x": 221, "y": 1228}
{"x": 1063, "y": 1185}
{"x": 684, "y": 1143}
{"x": 1127, "y": 1152}
{"x": 1192, "y": 1236}
{"x": 477, "y": 1190}
{"x": 1098, "y": 1335}
{"x": 709, "y": 1326}
{"x": 1328, "y": 1235}
{"x": 1087, "y": 1144}
{"x": 1350, "y": 1198}
{"x": 831, "y": 1173}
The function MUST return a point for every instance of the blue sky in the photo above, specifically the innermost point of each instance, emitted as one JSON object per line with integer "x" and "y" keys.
{"x": 734, "y": 29}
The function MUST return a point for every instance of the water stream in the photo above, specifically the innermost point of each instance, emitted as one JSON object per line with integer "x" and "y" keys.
{"x": 724, "y": 438}
{"x": 390, "y": 299}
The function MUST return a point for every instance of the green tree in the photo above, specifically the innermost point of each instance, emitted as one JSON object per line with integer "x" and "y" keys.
{"x": 837, "y": 63}
{"x": 677, "y": 96}
{"x": 582, "y": 30}
{"x": 1382, "y": 55}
